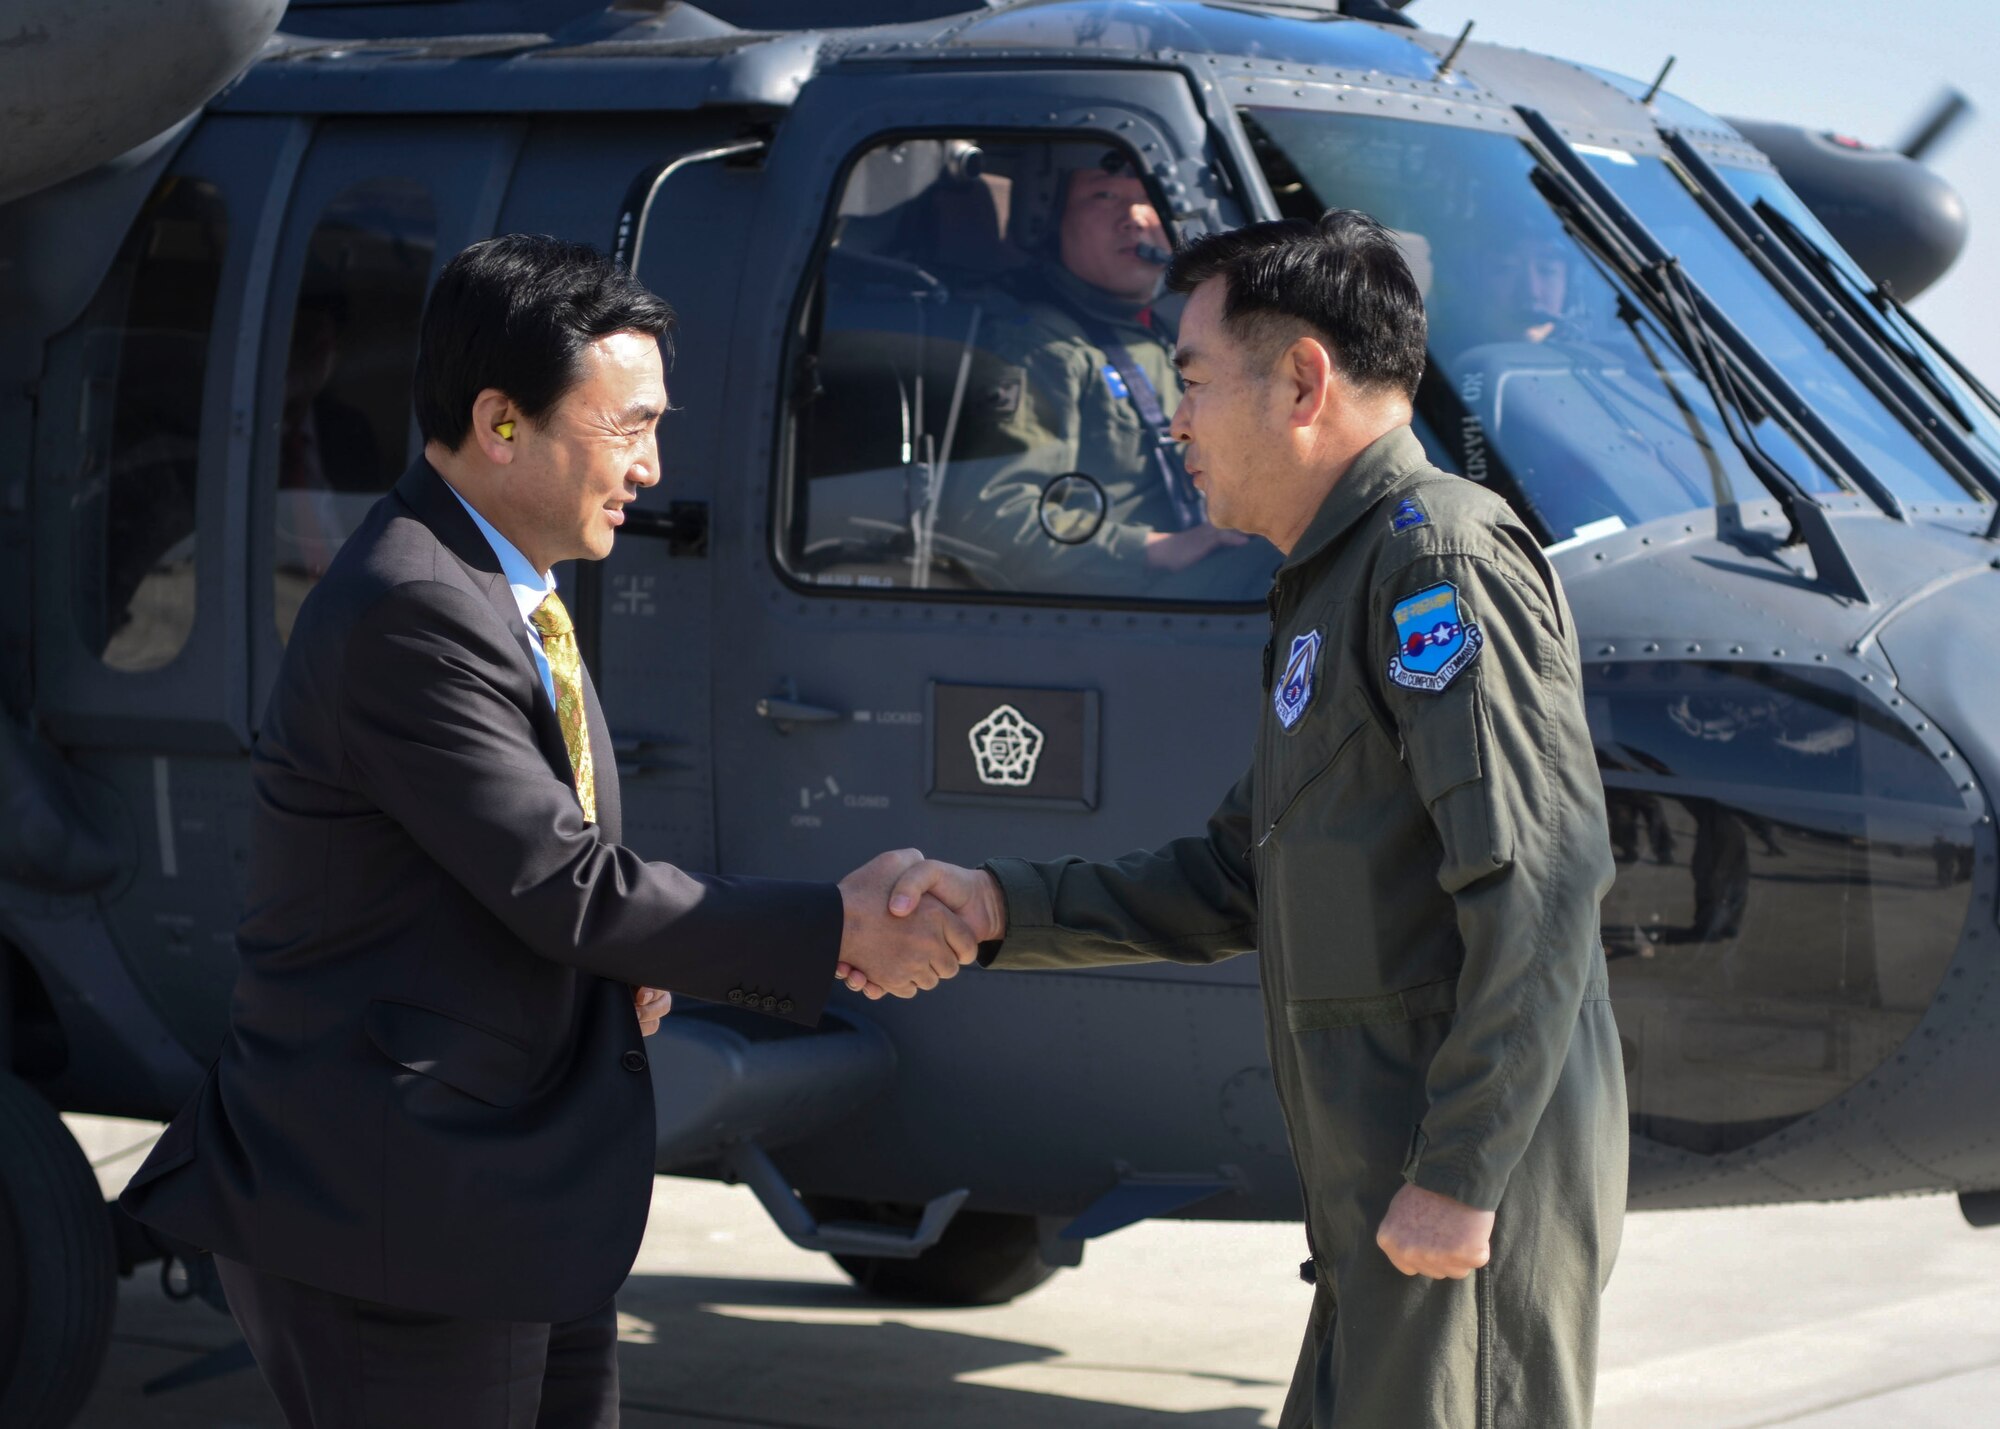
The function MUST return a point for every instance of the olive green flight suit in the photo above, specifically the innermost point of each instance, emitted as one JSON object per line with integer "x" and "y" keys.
{"x": 1418, "y": 854}
{"x": 1059, "y": 406}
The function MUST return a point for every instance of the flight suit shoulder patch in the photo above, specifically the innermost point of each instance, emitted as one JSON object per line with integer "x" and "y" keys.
{"x": 1300, "y": 681}
{"x": 1435, "y": 638}
{"x": 1407, "y": 515}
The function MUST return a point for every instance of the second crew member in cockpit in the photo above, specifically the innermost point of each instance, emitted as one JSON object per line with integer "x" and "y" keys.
{"x": 1088, "y": 385}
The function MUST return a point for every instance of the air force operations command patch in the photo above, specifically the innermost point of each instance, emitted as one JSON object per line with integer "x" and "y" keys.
{"x": 1295, "y": 689}
{"x": 1434, "y": 640}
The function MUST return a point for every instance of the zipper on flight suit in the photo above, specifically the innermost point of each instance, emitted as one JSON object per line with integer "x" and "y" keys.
{"x": 1263, "y": 740}
{"x": 1272, "y": 603}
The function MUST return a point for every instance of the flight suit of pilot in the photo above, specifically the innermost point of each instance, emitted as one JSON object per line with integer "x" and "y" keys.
{"x": 1418, "y": 854}
{"x": 1059, "y": 405}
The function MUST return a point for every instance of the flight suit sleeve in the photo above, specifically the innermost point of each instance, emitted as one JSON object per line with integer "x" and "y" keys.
{"x": 1500, "y": 753}
{"x": 1193, "y": 901}
{"x": 998, "y": 506}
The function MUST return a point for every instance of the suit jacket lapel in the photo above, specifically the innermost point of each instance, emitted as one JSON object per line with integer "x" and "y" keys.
{"x": 432, "y": 501}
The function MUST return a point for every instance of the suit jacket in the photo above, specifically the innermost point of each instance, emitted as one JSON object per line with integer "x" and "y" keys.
{"x": 434, "y": 1093}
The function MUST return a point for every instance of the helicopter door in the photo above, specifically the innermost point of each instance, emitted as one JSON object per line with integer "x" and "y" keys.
{"x": 141, "y": 470}
{"x": 936, "y": 623}
{"x": 379, "y": 206}
{"x": 677, "y": 194}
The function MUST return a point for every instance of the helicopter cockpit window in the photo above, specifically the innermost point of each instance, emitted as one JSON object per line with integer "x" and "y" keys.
{"x": 1545, "y": 380}
{"x": 1661, "y": 201}
{"x": 132, "y": 516}
{"x": 985, "y": 385}
{"x": 345, "y": 422}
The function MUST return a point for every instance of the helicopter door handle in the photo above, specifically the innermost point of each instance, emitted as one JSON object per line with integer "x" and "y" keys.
{"x": 788, "y": 712}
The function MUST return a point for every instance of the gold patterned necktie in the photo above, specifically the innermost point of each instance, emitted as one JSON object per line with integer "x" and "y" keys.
{"x": 551, "y": 620}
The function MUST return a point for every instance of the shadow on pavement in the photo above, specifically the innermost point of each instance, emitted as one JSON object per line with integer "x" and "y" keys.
{"x": 690, "y": 1362}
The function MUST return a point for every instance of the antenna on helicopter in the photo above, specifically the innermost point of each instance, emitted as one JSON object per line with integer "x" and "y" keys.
{"x": 1658, "y": 80}
{"x": 1456, "y": 45}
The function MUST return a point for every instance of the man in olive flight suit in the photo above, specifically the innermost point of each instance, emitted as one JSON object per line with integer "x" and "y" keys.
{"x": 1087, "y": 384}
{"x": 1417, "y": 853}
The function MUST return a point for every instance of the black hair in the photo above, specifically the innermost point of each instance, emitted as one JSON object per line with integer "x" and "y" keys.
{"x": 1341, "y": 276}
{"x": 515, "y": 313}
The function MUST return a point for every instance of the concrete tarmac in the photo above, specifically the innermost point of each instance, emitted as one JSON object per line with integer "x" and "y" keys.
{"x": 1871, "y": 1315}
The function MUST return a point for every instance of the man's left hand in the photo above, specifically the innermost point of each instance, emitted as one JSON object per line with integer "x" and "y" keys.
{"x": 1177, "y": 550}
{"x": 652, "y": 1003}
{"x": 1428, "y": 1234}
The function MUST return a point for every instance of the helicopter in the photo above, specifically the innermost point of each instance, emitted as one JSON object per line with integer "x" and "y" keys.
{"x": 1678, "y": 345}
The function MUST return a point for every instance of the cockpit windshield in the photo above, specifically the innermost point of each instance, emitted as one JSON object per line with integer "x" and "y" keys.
{"x": 1907, "y": 340}
{"x": 1661, "y": 201}
{"x": 1547, "y": 380}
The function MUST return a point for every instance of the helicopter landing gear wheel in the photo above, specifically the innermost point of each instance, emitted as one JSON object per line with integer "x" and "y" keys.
{"x": 58, "y": 1265}
{"x": 984, "y": 1258}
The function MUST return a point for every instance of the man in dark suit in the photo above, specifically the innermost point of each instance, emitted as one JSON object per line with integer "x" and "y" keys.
{"x": 424, "y": 1157}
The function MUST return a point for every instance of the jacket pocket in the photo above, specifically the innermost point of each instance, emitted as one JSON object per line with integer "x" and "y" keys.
{"x": 486, "y": 1065}
{"x": 1446, "y": 742}
{"x": 1452, "y": 759}
{"x": 1311, "y": 765}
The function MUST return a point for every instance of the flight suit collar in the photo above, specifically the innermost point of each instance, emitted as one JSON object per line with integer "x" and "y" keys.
{"x": 1092, "y": 302}
{"x": 1379, "y": 467}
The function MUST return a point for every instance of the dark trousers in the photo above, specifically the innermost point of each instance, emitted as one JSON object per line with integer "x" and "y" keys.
{"x": 339, "y": 1363}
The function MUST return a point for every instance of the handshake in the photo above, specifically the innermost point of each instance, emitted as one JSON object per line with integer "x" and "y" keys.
{"x": 912, "y": 922}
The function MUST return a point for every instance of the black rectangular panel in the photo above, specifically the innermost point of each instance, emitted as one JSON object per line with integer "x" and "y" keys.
{"x": 1005, "y": 744}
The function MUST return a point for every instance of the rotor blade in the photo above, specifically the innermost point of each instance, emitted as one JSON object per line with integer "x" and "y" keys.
{"x": 1946, "y": 113}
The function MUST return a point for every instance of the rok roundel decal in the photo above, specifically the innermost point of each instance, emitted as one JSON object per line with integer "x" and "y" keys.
{"x": 1301, "y": 678}
{"x": 1012, "y": 745}
{"x": 1005, "y": 748}
{"x": 1434, "y": 640}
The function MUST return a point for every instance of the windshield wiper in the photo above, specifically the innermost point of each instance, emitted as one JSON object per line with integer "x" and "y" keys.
{"x": 1882, "y": 298}
{"x": 1673, "y": 299}
{"x": 1855, "y": 299}
{"x": 1721, "y": 487}
{"x": 1807, "y": 281}
{"x": 1885, "y": 298}
{"x": 1747, "y": 365}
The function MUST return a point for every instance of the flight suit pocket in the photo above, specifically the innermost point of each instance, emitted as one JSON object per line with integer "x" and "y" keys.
{"x": 485, "y": 1065}
{"x": 1315, "y": 863}
{"x": 1305, "y": 763}
{"x": 1449, "y": 747}
{"x": 1443, "y": 742}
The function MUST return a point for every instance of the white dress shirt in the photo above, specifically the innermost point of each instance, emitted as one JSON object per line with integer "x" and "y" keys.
{"x": 529, "y": 588}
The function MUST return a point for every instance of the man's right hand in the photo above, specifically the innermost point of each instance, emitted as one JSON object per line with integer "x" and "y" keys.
{"x": 902, "y": 955}
{"x": 972, "y": 895}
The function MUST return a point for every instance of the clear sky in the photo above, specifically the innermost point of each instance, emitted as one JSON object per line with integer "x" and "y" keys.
{"x": 1862, "y": 67}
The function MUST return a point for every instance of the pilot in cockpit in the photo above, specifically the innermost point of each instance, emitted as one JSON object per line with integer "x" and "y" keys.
{"x": 1082, "y": 381}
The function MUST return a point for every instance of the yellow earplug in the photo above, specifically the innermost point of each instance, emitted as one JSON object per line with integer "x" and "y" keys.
{"x": 506, "y": 431}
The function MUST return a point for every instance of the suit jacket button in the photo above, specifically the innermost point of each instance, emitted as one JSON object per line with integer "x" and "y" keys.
{"x": 785, "y": 1005}
{"x": 736, "y": 994}
{"x": 770, "y": 1004}
{"x": 635, "y": 1061}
